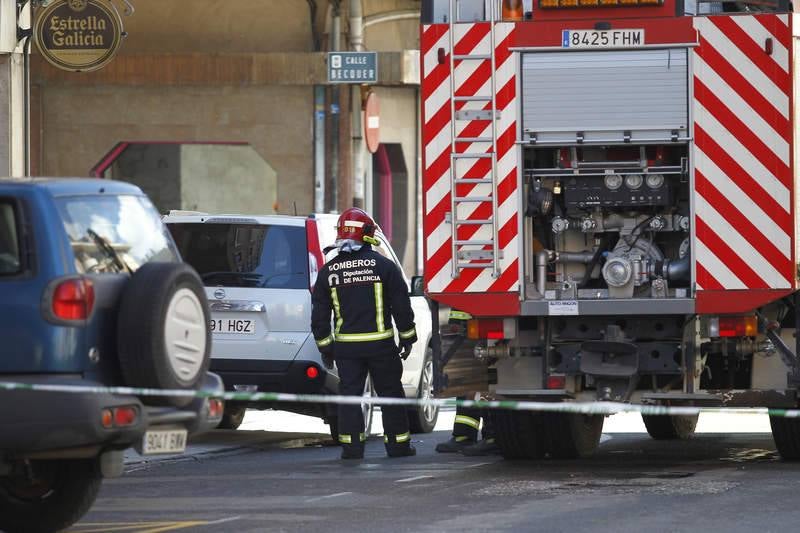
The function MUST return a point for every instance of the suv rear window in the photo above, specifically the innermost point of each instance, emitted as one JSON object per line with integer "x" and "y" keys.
{"x": 114, "y": 233}
{"x": 9, "y": 241}
{"x": 245, "y": 255}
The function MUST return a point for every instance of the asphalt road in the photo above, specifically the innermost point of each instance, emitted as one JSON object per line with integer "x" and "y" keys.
{"x": 714, "y": 482}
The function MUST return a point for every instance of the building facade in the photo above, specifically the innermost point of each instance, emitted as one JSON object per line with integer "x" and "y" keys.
{"x": 224, "y": 106}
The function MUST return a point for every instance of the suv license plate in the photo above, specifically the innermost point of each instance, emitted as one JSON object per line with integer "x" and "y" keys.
{"x": 233, "y": 326}
{"x": 164, "y": 441}
{"x": 602, "y": 38}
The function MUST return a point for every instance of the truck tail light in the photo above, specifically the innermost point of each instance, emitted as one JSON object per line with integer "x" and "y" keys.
{"x": 512, "y": 10}
{"x": 551, "y": 4}
{"x": 485, "y": 328}
{"x": 733, "y": 326}
{"x": 73, "y": 299}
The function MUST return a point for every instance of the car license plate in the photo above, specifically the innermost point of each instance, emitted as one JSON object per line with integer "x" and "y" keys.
{"x": 164, "y": 441}
{"x": 602, "y": 38}
{"x": 233, "y": 326}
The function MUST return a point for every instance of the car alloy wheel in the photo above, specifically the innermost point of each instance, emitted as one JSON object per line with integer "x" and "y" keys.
{"x": 429, "y": 410}
{"x": 368, "y": 409}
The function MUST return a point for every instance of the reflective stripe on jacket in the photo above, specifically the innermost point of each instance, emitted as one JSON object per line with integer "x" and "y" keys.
{"x": 364, "y": 291}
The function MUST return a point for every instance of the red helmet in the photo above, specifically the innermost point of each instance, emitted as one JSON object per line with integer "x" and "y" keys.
{"x": 357, "y": 225}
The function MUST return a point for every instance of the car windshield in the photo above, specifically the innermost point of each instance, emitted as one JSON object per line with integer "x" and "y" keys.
{"x": 245, "y": 255}
{"x": 114, "y": 233}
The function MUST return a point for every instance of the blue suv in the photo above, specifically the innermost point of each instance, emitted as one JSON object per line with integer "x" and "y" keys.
{"x": 94, "y": 293}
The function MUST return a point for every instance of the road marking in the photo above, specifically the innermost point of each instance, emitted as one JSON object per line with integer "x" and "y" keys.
{"x": 479, "y": 464}
{"x": 102, "y": 527}
{"x": 415, "y": 478}
{"x": 136, "y": 527}
{"x": 173, "y": 526}
{"x": 328, "y": 496}
{"x": 223, "y": 520}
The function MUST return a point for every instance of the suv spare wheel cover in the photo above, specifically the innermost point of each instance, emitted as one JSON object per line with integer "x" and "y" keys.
{"x": 185, "y": 334}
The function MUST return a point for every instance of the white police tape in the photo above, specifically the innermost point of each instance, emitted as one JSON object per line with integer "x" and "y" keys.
{"x": 589, "y": 408}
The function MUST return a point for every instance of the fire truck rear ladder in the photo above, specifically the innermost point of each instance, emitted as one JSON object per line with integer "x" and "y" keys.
{"x": 463, "y": 259}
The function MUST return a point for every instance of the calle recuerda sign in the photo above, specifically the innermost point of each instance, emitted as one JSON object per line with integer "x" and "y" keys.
{"x": 78, "y": 35}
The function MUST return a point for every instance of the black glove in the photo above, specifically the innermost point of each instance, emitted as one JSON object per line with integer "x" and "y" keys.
{"x": 327, "y": 356}
{"x": 405, "y": 349}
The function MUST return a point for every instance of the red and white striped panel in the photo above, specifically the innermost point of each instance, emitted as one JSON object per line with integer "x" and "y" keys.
{"x": 743, "y": 154}
{"x": 472, "y": 78}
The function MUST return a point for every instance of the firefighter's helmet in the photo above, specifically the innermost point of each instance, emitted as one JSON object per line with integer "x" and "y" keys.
{"x": 355, "y": 224}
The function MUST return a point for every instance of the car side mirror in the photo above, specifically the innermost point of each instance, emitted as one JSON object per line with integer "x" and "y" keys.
{"x": 417, "y": 286}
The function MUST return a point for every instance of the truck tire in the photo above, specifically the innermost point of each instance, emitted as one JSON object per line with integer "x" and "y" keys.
{"x": 518, "y": 434}
{"x": 163, "y": 333}
{"x": 232, "y": 417}
{"x": 422, "y": 419}
{"x": 666, "y": 427}
{"x": 570, "y": 435}
{"x": 61, "y": 493}
{"x": 786, "y": 433}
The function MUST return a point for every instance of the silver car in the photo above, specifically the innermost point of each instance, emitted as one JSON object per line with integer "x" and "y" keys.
{"x": 259, "y": 272}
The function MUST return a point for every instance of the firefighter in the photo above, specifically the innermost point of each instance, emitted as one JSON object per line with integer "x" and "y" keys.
{"x": 364, "y": 290}
{"x": 464, "y": 438}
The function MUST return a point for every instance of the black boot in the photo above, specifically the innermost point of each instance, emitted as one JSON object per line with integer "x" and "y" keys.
{"x": 352, "y": 452}
{"x": 454, "y": 445}
{"x": 405, "y": 451}
{"x": 484, "y": 447}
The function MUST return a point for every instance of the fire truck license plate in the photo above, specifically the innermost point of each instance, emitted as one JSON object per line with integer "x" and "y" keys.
{"x": 602, "y": 38}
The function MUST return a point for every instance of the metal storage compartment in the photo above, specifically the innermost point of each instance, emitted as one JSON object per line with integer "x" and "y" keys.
{"x": 596, "y": 89}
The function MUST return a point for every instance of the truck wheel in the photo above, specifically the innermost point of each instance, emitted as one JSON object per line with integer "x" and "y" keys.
{"x": 163, "y": 332}
{"x": 786, "y": 433}
{"x": 570, "y": 435}
{"x": 423, "y": 418}
{"x": 666, "y": 427}
{"x": 518, "y": 434}
{"x": 232, "y": 417}
{"x": 55, "y": 496}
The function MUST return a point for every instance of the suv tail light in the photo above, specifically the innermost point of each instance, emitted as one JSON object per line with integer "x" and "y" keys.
{"x": 315, "y": 258}
{"x": 215, "y": 407}
{"x": 73, "y": 299}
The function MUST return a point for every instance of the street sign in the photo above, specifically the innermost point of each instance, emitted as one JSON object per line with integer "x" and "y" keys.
{"x": 352, "y": 67}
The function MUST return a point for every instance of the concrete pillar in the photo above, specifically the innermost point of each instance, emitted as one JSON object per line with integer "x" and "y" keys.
{"x": 359, "y": 146}
{"x": 13, "y": 140}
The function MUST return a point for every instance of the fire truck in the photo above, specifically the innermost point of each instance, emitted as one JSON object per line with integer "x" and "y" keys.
{"x": 609, "y": 191}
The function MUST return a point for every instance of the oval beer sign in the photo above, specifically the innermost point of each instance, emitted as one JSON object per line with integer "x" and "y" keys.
{"x": 78, "y": 35}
